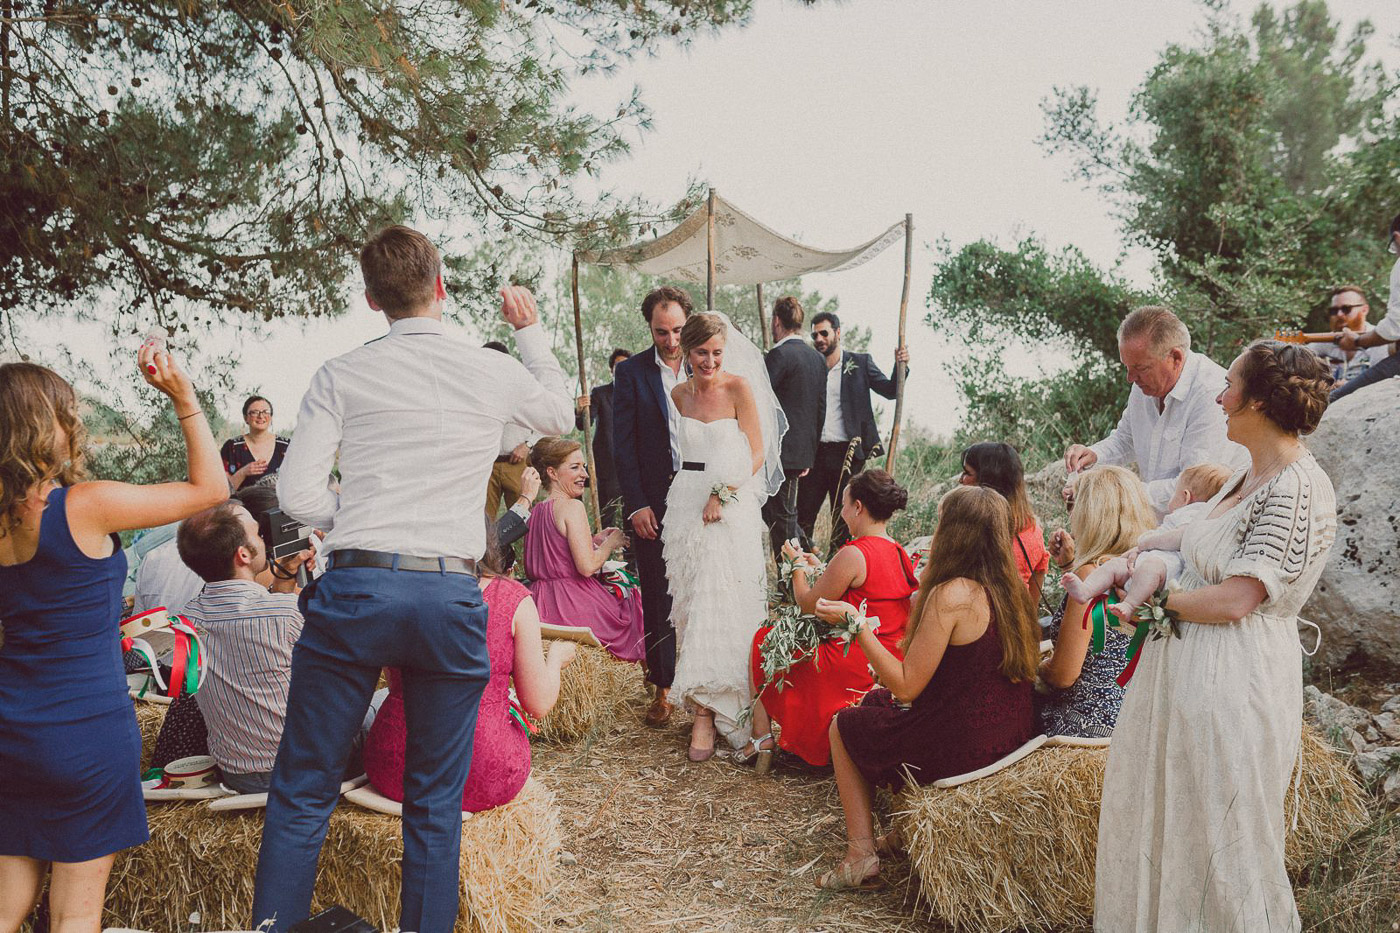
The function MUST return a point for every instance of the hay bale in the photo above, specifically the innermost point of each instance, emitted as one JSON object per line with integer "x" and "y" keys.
{"x": 593, "y": 689}
{"x": 1016, "y": 850}
{"x": 149, "y": 717}
{"x": 200, "y": 860}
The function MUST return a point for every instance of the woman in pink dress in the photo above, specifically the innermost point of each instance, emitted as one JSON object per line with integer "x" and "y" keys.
{"x": 562, "y": 556}
{"x": 501, "y": 756}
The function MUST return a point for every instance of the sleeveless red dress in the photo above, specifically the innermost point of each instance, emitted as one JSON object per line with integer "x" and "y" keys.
{"x": 817, "y": 688}
{"x": 501, "y": 751}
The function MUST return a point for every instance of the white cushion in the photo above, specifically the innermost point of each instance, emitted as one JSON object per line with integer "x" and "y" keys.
{"x": 1075, "y": 741}
{"x": 999, "y": 765}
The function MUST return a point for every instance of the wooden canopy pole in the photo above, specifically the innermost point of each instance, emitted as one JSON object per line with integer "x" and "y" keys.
{"x": 762, "y": 321}
{"x": 900, "y": 368}
{"x": 583, "y": 389}
{"x": 710, "y": 253}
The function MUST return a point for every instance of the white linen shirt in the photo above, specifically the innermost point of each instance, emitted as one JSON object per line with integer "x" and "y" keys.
{"x": 1389, "y": 327}
{"x": 1190, "y": 429}
{"x": 834, "y": 427}
{"x": 670, "y": 378}
{"x": 416, "y": 417}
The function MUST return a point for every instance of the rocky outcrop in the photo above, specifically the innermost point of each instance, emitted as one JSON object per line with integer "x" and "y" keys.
{"x": 1357, "y": 601}
{"x": 1373, "y": 739}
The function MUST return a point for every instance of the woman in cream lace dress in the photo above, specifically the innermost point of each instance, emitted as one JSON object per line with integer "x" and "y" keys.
{"x": 1191, "y": 830}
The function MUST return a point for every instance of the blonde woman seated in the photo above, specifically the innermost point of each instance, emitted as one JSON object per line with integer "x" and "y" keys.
{"x": 961, "y": 697}
{"x": 1077, "y": 693}
{"x": 563, "y": 556}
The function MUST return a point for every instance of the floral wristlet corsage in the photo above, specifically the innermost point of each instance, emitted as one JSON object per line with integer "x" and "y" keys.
{"x": 723, "y": 493}
{"x": 851, "y": 624}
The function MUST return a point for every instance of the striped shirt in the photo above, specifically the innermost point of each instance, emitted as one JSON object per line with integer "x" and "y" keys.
{"x": 248, "y": 634}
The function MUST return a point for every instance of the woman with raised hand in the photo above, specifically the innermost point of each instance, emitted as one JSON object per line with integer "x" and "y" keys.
{"x": 872, "y": 568}
{"x": 961, "y": 696}
{"x": 256, "y": 455}
{"x": 70, "y": 792}
{"x": 998, "y": 466}
{"x": 1191, "y": 830}
{"x": 563, "y": 556}
{"x": 1077, "y": 691}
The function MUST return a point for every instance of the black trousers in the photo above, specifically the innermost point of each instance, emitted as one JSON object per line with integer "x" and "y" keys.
{"x": 660, "y": 636}
{"x": 825, "y": 484}
{"x": 780, "y": 515}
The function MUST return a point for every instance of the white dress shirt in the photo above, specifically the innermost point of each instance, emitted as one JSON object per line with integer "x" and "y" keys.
{"x": 670, "y": 378}
{"x": 416, "y": 418}
{"x": 834, "y": 427}
{"x": 1389, "y": 327}
{"x": 786, "y": 339}
{"x": 1190, "y": 429}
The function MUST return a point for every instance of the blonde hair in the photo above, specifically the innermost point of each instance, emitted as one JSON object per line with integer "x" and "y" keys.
{"x": 699, "y": 329}
{"x": 34, "y": 402}
{"x": 1204, "y": 480}
{"x": 1163, "y": 330}
{"x": 1111, "y": 511}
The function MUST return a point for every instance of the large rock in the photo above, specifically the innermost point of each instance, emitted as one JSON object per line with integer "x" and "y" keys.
{"x": 1357, "y": 601}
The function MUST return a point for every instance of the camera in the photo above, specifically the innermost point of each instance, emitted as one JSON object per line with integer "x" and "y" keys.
{"x": 284, "y": 536}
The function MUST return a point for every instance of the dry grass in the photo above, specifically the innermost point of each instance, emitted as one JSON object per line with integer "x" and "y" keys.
{"x": 656, "y": 842}
{"x": 202, "y": 861}
{"x": 149, "y": 717}
{"x": 1016, "y": 850}
{"x": 593, "y": 689}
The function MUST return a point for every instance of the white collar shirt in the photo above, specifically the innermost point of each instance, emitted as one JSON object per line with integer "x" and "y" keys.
{"x": 834, "y": 427}
{"x": 670, "y": 378}
{"x": 786, "y": 339}
{"x": 415, "y": 418}
{"x": 1190, "y": 429}
{"x": 1389, "y": 326}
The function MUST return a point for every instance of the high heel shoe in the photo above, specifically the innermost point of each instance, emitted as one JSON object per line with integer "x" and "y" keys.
{"x": 762, "y": 758}
{"x": 696, "y": 753}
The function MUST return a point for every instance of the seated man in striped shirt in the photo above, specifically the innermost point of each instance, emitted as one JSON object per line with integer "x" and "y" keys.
{"x": 248, "y": 632}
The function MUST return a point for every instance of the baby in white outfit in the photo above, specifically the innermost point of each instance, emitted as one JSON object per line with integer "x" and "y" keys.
{"x": 1159, "y": 558}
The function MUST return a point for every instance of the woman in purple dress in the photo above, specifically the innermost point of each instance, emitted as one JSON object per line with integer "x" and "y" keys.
{"x": 961, "y": 697}
{"x": 562, "y": 556}
{"x": 70, "y": 787}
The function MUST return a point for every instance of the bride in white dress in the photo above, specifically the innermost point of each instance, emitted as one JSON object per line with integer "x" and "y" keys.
{"x": 730, "y": 440}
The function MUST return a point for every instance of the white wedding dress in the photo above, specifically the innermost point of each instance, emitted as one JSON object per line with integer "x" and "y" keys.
{"x": 717, "y": 572}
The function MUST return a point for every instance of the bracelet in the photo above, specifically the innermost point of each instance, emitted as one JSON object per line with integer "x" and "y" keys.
{"x": 191, "y": 414}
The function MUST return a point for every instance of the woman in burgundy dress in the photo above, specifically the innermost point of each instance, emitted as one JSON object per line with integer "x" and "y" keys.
{"x": 871, "y": 568}
{"x": 970, "y": 654}
{"x": 501, "y": 760}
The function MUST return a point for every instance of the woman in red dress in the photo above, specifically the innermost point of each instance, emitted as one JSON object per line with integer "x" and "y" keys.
{"x": 998, "y": 466}
{"x": 872, "y": 568}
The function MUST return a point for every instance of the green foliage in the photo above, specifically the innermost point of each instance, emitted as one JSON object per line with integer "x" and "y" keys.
{"x": 1257, "y": 165}
{"x": 183, "y": 159}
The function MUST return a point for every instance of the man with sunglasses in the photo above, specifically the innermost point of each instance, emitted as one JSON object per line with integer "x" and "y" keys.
{"x": 1384, "y": 335}
{"x": 1347, "y": 313}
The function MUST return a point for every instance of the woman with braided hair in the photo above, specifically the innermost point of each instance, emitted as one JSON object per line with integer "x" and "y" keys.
{"x": 1191, "y": 830}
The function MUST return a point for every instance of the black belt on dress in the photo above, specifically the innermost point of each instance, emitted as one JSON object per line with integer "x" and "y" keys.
{"x": 692, "y": 465}
{"x": 355, "y": 557}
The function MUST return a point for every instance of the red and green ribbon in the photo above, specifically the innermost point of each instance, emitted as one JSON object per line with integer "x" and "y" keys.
{"x": 1097, "y": 612}
{"x": 1134, "y": 654}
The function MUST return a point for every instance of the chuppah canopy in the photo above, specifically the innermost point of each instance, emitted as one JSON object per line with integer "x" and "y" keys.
{"x": 746, "y": 252}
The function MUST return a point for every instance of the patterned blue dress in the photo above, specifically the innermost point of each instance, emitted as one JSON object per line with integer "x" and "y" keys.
{"x": 1089, "y": 707}
{"x": 70, "y": 751}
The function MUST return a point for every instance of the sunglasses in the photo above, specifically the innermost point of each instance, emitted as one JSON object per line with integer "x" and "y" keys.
{"x": 1344, "y": 309}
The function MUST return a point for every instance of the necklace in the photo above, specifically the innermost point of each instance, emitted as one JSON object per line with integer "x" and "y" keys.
{"x": 1248, "y": 486}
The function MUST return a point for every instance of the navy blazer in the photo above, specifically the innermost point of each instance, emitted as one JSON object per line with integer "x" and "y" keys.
{"x": 859, "y": 377}
{"x": 797, "y": 373}
{"x": 641, "y": 434}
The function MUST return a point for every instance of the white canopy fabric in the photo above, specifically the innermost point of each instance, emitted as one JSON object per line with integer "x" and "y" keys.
{"x": 746, "y": 251}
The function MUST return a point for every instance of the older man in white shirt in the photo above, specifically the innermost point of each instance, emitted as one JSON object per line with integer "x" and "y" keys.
{"x": 415, "y": 419}
{"x": 1172, "y": 420}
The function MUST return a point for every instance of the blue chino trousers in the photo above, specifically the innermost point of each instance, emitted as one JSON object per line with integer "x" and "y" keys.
{"x": 358, "y": 620}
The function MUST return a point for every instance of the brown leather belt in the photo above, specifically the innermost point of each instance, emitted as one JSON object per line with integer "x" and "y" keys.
{"x": 354, "y": 557}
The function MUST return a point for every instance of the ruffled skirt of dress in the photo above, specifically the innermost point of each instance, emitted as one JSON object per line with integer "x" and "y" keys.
{"x": 718, "y": 583}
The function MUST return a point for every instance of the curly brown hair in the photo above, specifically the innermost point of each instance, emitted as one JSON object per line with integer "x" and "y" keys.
{"x": 34, "y": 402}
{"x": 1290, "y": 382}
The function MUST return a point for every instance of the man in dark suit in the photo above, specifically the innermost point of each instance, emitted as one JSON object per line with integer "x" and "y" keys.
{"x": 646, "y": 455}
{"x": 600, "y": 413}
{"x": 798, "y": 375}
{"x": 849, "y": 425}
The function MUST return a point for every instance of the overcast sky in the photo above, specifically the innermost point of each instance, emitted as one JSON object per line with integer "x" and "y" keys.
{"x": 830, "y": 123}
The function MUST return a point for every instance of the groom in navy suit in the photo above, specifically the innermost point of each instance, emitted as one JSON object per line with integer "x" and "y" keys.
{"x": 646, "y": 455}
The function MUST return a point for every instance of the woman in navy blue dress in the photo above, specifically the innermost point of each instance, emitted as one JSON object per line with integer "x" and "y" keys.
{"x": 70, "y": 791}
